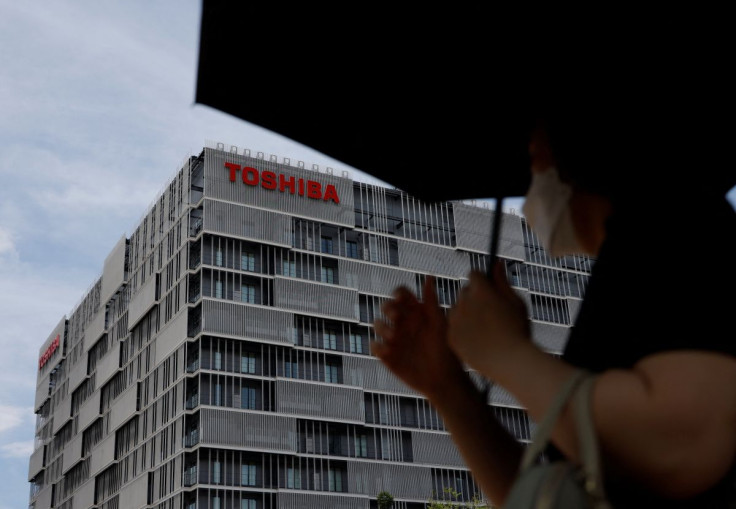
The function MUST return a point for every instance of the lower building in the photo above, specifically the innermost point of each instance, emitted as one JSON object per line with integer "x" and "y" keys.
{"x": 221, "y": 359}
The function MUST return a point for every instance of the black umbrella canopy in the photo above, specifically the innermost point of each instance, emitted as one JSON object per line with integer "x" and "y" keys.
{"x": 409, "y": 100}
{"x": 439, "y": 102}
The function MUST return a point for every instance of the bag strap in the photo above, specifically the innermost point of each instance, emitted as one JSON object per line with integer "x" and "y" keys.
{"x": 589, "y": 453}
{"x": 544, "y": 428}
{"x": 578, "y": 386}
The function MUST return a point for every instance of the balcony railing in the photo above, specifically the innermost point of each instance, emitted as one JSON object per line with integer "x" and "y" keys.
{"x": 192, "y": 401}
{"x": 192, "y": 438}
{"x": 195, "y": 327}
{"x": 195, "y": 227}
{"x": 193, "y": 366}
{"x": 190, "y": 477}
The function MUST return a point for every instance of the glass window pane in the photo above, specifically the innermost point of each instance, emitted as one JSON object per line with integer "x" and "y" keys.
{"x": 248, "y": 262}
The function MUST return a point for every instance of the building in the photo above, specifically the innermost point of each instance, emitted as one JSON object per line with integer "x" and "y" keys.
{"x": 221, "y": 360}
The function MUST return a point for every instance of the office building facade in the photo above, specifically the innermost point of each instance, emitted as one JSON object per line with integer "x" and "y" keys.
{"x": 222, "y": 358}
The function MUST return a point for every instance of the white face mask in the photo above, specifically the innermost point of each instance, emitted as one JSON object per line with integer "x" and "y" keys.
{"x": 547, "y": 208}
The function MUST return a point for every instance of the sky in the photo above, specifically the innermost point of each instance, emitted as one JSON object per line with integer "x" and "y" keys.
{"x": 98, "y": 113}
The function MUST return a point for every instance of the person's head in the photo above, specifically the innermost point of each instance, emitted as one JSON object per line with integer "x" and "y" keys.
{"x": 566, "y": 209}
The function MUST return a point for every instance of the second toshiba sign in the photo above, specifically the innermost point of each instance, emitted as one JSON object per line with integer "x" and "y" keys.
{"x": 270, "y": 180}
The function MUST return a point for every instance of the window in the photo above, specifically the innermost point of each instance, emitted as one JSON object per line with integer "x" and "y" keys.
{"x": 248, "y": 474}
{"x": 382, "y": 411}
{"x": 335, "y": 480}
{"x": 218, "y": 361}
{"x": 218, "y": 394}
{"x": 247, "y": 503}
{"x": 385, "y": 449}
{"x": 216, "y": 472}
{"x": 330, "y": 373}
{"x": 248, "y": 262}
{"x": 248, "y": 363}
{"x": 215, "y": 502}
{"x": 356, "y": 343}
{"x": 351, "y": 249}
{"x": 248, "y": 398}
{"x": 361, "y": 447}
{"x": 326, "y": 245}
{"x": 248, "y": 293}
{"x": 291, "y": 369}
{"x": 218, "y": 289}
{"x": 218, "y": 258}
{"x": 293, "y": 478}
{"x": 328, "y": 275}
{"x": 288, "y": 268}
{"x": 335, "y": 445}
{"x": 329, "y": 341}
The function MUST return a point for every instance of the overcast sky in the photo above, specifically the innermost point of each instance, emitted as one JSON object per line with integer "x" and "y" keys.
{"x": 97, "y": 115}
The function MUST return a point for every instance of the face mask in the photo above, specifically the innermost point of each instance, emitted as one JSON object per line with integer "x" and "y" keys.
{"x": 547, "y": 208}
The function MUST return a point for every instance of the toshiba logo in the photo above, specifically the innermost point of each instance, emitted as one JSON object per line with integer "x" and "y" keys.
{"x": 279, "y": 182}
{"x": 49, "y": 352}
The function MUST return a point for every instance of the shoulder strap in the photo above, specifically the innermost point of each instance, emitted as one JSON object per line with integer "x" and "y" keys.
{"x": 544, "y": 428}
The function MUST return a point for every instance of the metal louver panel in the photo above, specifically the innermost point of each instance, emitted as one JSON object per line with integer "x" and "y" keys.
{"x": 248, "y": 429}
{"x": 247, "y": 321}
{"x": 320, "y": 400}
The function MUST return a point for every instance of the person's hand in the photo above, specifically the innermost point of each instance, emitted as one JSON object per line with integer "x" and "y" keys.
{"x": 415, "y": 346}
{"x": 489, "y": 322}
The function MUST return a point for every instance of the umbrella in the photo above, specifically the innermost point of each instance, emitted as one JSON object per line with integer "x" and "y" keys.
{"x": 429, "y": 102}
{"x": 386, "y": 96}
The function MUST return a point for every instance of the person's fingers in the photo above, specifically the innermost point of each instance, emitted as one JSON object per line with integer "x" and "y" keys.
{"x": 429, "y": 293}
{"x": 404, "y": 296}
{"x": 384, "y": 330}
{"x": 502, "y": 283}
{"x": 377, "y": 348}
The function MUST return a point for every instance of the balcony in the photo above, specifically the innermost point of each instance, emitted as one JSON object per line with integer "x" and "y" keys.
{"x": 192, "y": 401}
{"x": 195, "y": 226}
{"x": 193, "y": 366}
{"x": 190, "y": 477}
{"x": 192, "y": 438}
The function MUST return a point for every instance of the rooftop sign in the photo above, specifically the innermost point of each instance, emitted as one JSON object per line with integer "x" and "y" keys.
{"x": 49, "y": 352}
{"x": 279, "y": 182}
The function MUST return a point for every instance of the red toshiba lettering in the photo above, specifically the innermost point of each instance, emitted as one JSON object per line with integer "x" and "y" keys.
{"x": 285, "y": 183}
{"x": 234, "y": 168}
{"x": 331, "y": 194}
{"x": 268, "y": 180}
{"x": 49, "y": 352}
{"x": 250, "y": 176}
{"x": 272, "y": 181}
{"x": 314, "y": 190}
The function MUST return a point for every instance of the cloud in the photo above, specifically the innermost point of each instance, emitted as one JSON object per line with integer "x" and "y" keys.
{"x": 7, "y": 246}
{"x": 17, "y": 449}
{"x": 13, "y": 416}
